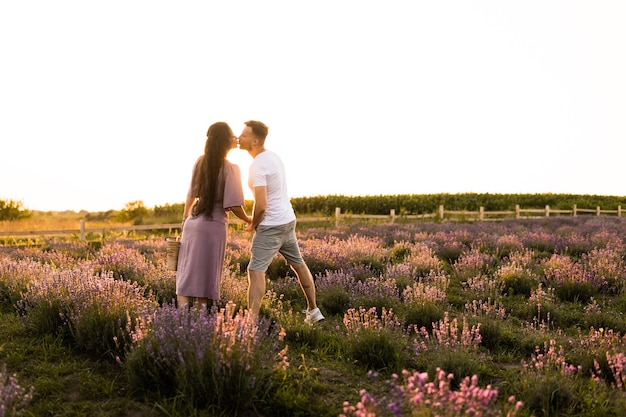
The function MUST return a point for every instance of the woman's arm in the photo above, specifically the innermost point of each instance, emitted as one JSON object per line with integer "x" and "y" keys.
{"x": 240, "y": 212}
{"x": 192, "y": 192}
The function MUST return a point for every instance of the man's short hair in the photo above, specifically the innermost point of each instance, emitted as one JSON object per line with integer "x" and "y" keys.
{"x": 259, "y": 129}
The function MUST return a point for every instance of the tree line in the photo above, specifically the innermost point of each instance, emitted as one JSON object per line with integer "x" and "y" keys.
{"x": 429, "y": 203}
{"x": 137, "y": 213}
{"x": 13, "y": 210}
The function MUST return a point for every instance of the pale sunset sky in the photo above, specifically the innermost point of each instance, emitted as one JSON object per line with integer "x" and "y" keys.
{"x": 104, "y": 103}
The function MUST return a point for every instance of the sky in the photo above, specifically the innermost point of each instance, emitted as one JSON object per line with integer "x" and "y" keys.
{"x": 105, "y": 103}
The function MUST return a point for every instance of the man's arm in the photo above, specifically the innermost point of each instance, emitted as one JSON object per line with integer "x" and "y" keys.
{"x": 260, "y": 205}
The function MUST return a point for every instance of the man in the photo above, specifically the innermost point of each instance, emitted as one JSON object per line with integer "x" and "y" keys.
{"x": 273, "y": 222}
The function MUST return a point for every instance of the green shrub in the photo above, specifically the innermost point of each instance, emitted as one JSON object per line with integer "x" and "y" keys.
{"x": 319, "y": 267}
{"x": 368, "y": 267}
{"x": 334, "y": 301}
{"x": 519, "y": 284}
{"x": 450, "y": 253}
{"x": 224, "y": 361}
{"x": 240, "y": 264}
{"x": 377, "y": 351}
{"x": 288, "y": 289}
{"x": 530, "y": 312}
{"x": 575, "y": 291}
{"x": 398, "y": 254}
{"x": 552, "y": 396}
{"x": 605, "y": 320}
{"x": 528, "y": 340}
{"x": 301, "y": 334}
{"x": 418, "y": 315}
{"x": 491, "y": 334}
{"x": 277, "y": 269}
{"x": 508, "y": 340}
{"x": 456, "y": 362}
{"x": 402, "y": 283}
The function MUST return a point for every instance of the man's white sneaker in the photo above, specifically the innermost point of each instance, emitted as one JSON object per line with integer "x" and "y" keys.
{"x": 313, "y": 316}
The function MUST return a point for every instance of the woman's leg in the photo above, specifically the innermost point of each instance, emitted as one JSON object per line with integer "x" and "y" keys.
{"x": 183, "y": 301}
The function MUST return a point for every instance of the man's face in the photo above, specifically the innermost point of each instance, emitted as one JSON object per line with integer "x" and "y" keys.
{"x": 246, "y": 138}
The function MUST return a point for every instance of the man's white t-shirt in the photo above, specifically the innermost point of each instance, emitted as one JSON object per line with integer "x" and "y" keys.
{"x": 267, "y": 170}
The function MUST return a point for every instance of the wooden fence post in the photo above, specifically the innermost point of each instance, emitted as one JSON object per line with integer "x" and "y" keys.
{"x": 337, "y": 215}
{"x": 517, "y": 211}
{"x": 481, "y": 213}
{"x": 597, "y": 210}
{"x": 619, "y": 211}
{"x": 441, "y": 212}
{"x": 392, "y": 213}
{"x": 574, "y": 210}
{"x": 82, "y": 230}
{"x": 547, "y": 211}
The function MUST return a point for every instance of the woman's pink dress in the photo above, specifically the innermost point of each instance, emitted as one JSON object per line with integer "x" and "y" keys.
{"x": 203, "y": 244}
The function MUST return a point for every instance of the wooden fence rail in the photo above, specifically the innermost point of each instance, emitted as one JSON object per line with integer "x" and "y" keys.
{"x": 482, "y": 215}
{"x": 441, "y": 214}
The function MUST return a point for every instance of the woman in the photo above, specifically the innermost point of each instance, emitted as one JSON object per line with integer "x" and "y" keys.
{"x": 215, "y": 190}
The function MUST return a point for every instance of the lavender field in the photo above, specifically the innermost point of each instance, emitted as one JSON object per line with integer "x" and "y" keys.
{"x": 511, "y": 318}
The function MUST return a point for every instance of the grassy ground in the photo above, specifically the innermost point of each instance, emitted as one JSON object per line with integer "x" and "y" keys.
{"x": 65, "y": 384}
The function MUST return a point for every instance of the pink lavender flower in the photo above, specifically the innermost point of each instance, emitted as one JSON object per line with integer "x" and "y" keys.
{"x": 446, "y": 333}
{"x": 420, "y": 262}
{"x": 362, "y": 319}
{"x": 473, "y": 263}
{"x": 417, "y": 396}
{"x": 13, "y": 397}
{"x": 550, "y": 360}
{"x": 606, "y": 268}
{"x": 89, "y": 309}
{"x": 430, "y": 289}
{"x": 489, "y": 308}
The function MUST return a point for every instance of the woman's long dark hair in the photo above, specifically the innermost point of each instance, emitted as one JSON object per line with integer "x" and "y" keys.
{"x": 218, "y": 143}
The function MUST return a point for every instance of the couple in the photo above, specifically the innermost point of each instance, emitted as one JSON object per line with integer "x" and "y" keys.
{"x": 216, "y": 189}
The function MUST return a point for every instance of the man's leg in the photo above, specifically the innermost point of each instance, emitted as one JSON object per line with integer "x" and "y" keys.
{"x": 256, "y": 291}
{"x": 307, "y": 284}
